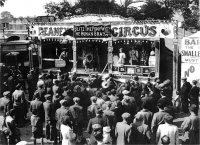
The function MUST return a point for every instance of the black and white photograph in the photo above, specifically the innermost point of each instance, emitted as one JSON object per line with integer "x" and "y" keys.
{"x": 99, "y": 72}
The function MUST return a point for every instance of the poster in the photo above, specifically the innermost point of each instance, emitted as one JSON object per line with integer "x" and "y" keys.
{"x": 190, "y": 58}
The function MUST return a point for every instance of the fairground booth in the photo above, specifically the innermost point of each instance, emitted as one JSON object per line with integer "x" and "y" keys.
{"x": 97, "y": 39}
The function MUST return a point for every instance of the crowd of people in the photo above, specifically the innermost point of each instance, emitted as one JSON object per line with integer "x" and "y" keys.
{"x": 80, "y": 111}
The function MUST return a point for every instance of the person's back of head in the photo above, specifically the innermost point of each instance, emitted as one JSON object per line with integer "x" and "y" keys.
{"x": 93, "y": 99}
{"x": 99, "y": 94}
{"x": 66, "y": 120}
{"x": 76, "y": 100}
{"x": 161, "y": 104}
{"x": 168, "y": 118}
{"x": 193, "y": 108}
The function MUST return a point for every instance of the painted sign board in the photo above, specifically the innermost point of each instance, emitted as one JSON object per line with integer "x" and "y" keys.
{"x": 143, "y": 31}
{"x": 190, "y": 50}
{"x": 92, "y": 31}
{"x": 133, "y": 30}
{"x": 190, "y": 58}
{"x": 190, "y": 71}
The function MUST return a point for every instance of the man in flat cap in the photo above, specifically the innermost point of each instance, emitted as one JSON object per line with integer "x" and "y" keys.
{"x": 19, "y": 103}
{"x": 129, "y": 103}
{"x": 123, "y": 130}
{"x": 99, "y": 119}
{"x": 190, "y": 126}
{"x": 194, "y": 94}
{"x": 158, "y": 118}
{"x": 136, "y": 89}
{"x": 184, "y": 93}
{"x": 48, "y": 110}
{"x": 77, "y": 114}
{"x": 92, "y": 109}
{"x": 62, "y": 111}
{"x": 41, "y": 90}
{"x": 37, "y": 117}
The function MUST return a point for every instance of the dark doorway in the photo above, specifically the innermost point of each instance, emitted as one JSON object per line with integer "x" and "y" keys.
{"x": 96, "y": 53}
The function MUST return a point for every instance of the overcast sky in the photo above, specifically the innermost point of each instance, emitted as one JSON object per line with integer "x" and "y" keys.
{"x": 29, "y": 7}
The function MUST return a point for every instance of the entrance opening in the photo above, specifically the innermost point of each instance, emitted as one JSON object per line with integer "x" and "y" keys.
{"x": 51, "y": 50}
{"x": 94, "y": 53}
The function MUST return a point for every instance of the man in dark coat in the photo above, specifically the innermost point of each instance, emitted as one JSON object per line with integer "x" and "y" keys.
{"x": 99, "y": 119}
{"x": 11, "y": 83}
{"x": 30, "y": 82}
{"x": 194, "y": 94}
{"x": 77, "y": 114}
{"x": 184, "y": 93}
{"x": 158, "y": 118}
{"x": 60, "y": 112}
{"x": 123, "y": 130}
{"x": 37, "y": 118}
{"x": 19, "y": 103}
{"x": 48, "y": 109}
{"x": 41, "y": 90}
{"x": 92, "y": 109}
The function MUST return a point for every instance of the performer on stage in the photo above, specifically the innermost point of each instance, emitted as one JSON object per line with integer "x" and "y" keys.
{"x": 122, "y": 57}
{"x": 65, "y": 56}
{"x": 133, "y": 57}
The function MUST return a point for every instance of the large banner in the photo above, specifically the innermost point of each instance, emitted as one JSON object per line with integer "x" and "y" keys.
{"x": 49, "y": 30}
{"x": 190, "y": 58}
{"x": 142, "y": 31}
{"x": 124, "y": 30}
{"x": 92, "y": 31}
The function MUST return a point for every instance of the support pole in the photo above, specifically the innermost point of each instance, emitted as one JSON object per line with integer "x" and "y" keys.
{"x": 74, "y": 56}
{"x": 157, "y": 55}
{"x": 40, "y": 54}
{"x": 1, "y": 75}
{"x": 110, "y": 56}
{"x": 175, "y": 60}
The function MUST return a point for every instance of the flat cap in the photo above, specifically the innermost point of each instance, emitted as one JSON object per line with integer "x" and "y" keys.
{"x": 93, "y": 98}
{"x": 125, "y": 115}
{"x": 125, "y": 92}
{"x": 63, "y": 101}
{"x": 6, "y": 93}
{"x": 47, "y": 96}
{"x": 76, "y": 99}
{"x": 40, "y": 83}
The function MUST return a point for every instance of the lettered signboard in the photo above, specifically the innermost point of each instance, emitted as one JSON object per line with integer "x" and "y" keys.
{"x": 190, "y": 58}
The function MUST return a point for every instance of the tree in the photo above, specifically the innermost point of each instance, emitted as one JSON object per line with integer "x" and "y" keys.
{"x": 187, "y": 8}
{"x": 6, "y": 15}
{"x": 63, "y": 9}
{"x": 60, "y": 10}
{"x": 155, "y": 9}
{"x": 2, "y": 2}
